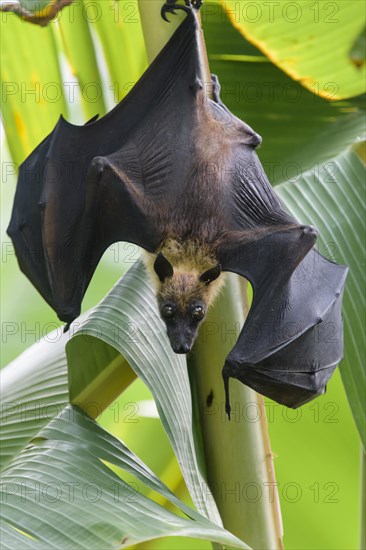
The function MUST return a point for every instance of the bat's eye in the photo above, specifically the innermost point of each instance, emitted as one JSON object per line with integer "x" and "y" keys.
{"x": 198, "y": 313}
{"x": 167, "y": 312}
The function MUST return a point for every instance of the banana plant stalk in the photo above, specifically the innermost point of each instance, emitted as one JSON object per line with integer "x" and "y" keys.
{"x": 363, "y": 499}
{"x": 236, "y": 454}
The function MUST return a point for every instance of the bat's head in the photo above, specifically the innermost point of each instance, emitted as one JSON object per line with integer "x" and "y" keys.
{"x": 183, "y": 299}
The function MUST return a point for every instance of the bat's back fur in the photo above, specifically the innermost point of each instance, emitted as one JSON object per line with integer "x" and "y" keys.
{"x": 194, "y": 222}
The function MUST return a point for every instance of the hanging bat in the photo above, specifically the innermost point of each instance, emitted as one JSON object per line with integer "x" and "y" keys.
{"x": 176, "y": 173}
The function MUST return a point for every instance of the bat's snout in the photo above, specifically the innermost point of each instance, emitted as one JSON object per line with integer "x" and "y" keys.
{"x": 182, "y": 334}
{"x": 182, "y": 349}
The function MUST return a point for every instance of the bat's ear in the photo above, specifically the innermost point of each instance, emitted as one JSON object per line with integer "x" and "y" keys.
{"x": 211, "y": 274}
{"x": 163, "y": 268}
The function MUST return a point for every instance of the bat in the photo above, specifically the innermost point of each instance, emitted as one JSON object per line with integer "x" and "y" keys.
{"x": 176, "y": 173}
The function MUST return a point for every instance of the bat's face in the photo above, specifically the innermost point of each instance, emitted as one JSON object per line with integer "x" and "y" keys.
{"x": 183, "y": 299}
{"x": 182, "y": 323}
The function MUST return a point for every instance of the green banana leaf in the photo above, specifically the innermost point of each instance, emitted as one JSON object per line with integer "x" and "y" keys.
{"x": 311, "y": 42}
{"x": 300, "y": 130}
{"x": 127, "y": 322}
{"x": 73, "y": 29}
{"x": 32, "y": 84}
{"x": 96, "y": 45}
{"x": 118, "y": 29}
{"x": 57, "y": 488}
{"x": 46, "y": 488}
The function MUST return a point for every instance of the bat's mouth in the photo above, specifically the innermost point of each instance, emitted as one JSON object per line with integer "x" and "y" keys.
{"x": 182, "y": 339}
{"x": 182, "y": 349}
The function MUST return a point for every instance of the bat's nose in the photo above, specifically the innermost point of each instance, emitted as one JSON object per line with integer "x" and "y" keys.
{"x": 182, "y": 349}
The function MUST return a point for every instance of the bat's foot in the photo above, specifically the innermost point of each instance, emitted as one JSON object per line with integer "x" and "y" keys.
{"x": 171, "y": 5}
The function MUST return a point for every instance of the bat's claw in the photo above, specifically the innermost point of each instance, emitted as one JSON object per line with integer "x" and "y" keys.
{"x": 216, "y": 89}
{"x": 167, "y": 9}
{"x": 309, "y": 232}
{"x": 171, "y": 5}
{"x": 227, "y": 396}
{"x": 228, "y": 410}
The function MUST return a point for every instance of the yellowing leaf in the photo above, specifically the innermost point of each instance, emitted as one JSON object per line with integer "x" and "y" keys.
{"x": 310, "y": 41}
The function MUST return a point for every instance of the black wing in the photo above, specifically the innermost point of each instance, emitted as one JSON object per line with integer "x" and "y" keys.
{"x": 85, "y": 187}
{"x": 292, "y": 339}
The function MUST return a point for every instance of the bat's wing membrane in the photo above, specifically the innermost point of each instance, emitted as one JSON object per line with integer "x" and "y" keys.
{"x": 85, "y": 187}
{"x": 25, "y": 226}
{"x": 292, "y": 339}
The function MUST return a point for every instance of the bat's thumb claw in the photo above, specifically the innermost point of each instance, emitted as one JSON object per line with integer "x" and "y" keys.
{"x": 309, "y": 231}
